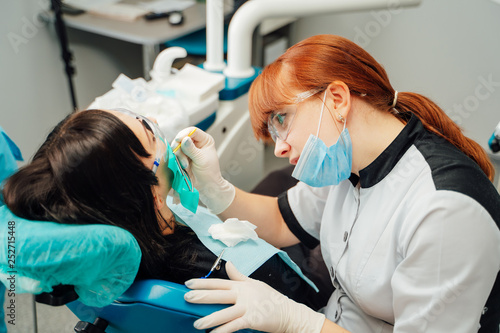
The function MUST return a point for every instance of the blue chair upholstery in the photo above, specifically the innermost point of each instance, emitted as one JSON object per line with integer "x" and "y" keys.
{"x": 152, "y": 306}
{"x": 9, "y": 154}
{"x": 101, "y": 262}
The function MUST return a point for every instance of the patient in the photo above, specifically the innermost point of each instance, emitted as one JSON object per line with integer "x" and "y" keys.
{"x": 96, "y": 167}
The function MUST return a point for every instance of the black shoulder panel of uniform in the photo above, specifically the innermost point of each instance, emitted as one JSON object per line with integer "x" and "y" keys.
{"x": 454, "y": 171}
{"x": 293, "y": 224}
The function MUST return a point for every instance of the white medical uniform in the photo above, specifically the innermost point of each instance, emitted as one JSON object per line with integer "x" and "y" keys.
{"x": 414, "y": 246}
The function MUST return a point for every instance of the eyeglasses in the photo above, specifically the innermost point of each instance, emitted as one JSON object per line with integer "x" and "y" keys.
{"x": 161, "y": 144}
{"x": 280, "y": 122}
{"x": 152, "y": 127}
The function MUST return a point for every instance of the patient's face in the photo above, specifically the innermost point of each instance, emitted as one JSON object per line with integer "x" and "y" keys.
{"x": 149, "y": 142}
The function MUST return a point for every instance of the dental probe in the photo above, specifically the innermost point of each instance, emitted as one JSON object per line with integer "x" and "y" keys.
{"x": 179, "y": 145}
{"x": 215, "y": 265}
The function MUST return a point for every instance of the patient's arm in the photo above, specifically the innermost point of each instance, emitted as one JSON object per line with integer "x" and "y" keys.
{"x": 263, "y": 211}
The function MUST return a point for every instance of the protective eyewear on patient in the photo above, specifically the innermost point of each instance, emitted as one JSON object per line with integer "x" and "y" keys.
{"x": 152, "y": 127}
{"x": 161, "y": 146}
{"x": 163, "y": 149}
{"x": 181, "y": 182}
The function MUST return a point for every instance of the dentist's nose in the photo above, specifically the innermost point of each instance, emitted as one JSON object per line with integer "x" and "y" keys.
{"x": 281, "y": 148}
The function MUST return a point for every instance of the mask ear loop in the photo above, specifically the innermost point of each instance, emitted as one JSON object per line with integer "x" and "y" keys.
{"x": 340, "y": 117}
{"x": 321, "y": 114}
{"x": 343, "y": 129}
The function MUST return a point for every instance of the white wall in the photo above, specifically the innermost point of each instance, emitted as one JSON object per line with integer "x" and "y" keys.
{"x": 444, "y": 49}
{"x": 33, "y": 85}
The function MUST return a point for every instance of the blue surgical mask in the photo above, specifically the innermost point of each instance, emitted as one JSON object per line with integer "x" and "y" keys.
{"x": 320, "y": 165}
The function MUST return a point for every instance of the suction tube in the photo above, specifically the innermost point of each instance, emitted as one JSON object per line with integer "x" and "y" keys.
{"x": 163, "y": 62}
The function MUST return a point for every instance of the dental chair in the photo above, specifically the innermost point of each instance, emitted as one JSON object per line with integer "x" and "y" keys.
{"x": 91, "y": 269}
{"x": 9, "y": 154}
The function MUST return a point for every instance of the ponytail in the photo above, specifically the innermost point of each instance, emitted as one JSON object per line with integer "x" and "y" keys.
{"x": 437, "y": 121}
{"x": 319, "y": 60}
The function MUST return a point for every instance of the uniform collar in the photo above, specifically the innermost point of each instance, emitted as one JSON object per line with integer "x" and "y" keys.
{"x": 386, "y": 161}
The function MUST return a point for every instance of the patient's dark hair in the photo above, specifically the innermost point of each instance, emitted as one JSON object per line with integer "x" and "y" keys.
{"x": 89, "y": 171}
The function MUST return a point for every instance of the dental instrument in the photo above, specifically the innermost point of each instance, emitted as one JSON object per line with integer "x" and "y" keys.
{"x": 216, "y": 264}
{"x": 184, "y": 173}
{"x": 179, "y": 145}
{"x": 181, "y": 182}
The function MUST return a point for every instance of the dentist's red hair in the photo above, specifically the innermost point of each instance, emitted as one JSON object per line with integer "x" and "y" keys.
{"x": 319, "y": 60}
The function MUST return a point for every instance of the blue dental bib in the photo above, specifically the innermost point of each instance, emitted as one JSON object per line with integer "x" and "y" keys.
{"x": 239, "y": 254}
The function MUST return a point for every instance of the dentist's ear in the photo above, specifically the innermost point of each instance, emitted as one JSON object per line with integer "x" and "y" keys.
{"x": 340, "y": 100}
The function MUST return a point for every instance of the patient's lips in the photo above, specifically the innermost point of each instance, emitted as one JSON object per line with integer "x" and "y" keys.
{"x": 293, "y": 161}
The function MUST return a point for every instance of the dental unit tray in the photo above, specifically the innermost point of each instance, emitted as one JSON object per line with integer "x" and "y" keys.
{"x": 175, "y": 98}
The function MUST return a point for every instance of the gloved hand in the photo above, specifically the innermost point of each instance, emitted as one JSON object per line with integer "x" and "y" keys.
{"x": 256, "y": 306}
{"x": 215, "y": 192}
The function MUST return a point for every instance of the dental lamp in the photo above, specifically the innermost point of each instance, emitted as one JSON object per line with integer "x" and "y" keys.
{"x": 252, "y": 13}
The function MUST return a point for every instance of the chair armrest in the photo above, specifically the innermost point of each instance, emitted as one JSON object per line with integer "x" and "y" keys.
{"x": 60, "y": 295}
{"x": 167, "y": 295}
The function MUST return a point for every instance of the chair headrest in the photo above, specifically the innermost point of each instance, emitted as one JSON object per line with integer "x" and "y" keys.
{"x": 100, "y": 261}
